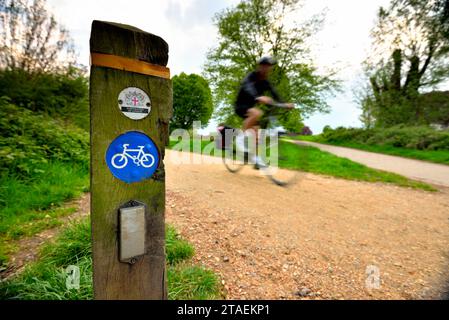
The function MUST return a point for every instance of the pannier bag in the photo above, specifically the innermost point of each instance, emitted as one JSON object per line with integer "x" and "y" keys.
{"x": 221, "y": 137}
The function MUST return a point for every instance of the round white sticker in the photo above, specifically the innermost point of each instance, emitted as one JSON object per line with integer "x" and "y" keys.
{"x": 134, "y": 103}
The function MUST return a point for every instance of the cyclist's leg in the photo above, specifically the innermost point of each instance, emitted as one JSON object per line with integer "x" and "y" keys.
{"x": 251, "y": 121}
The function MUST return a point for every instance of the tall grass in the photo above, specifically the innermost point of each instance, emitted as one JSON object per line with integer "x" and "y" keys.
{"x": 23, "y": 202}
{"x": 46, "y": 278}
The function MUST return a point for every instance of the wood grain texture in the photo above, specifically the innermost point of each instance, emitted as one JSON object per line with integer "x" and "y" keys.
{"x": 127, "y": 41}
{"x": 114, "y": 280}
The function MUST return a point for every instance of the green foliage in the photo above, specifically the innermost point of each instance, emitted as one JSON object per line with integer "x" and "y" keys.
{"x": 435, "y": 107}
{"x": 30, "y": 140}
{"x": 257, "y": 27}
{"x": 293, "y": 121}
{"x": 46, "y": 278}
{"x": 401, "y": 65}
{"x": 60, "y": 95}
{"x": 420, "y": 138}
{"x": 192, "y": 101}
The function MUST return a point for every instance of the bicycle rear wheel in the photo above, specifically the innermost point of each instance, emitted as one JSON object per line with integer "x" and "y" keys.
{"x": 234, "y": 161}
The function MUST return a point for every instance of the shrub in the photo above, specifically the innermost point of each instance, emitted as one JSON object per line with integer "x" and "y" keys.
{"x": 29, "y": 139}
{"x": 63, "y": 96}
{"x": 420, "y": 137}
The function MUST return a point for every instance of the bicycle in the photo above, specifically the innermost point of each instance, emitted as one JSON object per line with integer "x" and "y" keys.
{"x": 120, "y": 160}
{"x": 234, "y": 159}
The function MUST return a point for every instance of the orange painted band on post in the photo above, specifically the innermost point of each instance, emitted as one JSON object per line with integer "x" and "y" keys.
{"x": 127, "y": 64}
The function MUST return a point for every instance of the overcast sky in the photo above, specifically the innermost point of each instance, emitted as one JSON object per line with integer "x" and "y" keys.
{"x": 187, "y": 27}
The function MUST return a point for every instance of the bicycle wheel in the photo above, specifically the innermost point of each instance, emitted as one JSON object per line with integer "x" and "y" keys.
{"x": 147, "y": 160}
{"x": 277, "y": 159}
{"x": 281, "y": 177}
{"x": 234, "y": 161}
{"x": 119, "y": 161}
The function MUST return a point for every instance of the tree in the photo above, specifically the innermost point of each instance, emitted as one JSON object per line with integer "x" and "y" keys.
{"x": 441, "y": 10}
{"x": 409, "y": 55}
{"x": 192, "y": 101}
{"x": 257, "y": 27}
{"x": 31, "y": 38}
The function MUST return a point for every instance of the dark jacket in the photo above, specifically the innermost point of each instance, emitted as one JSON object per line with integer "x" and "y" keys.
{"x": 251, "y": 88}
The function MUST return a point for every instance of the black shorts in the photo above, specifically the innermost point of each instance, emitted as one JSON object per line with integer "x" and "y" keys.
{"x": 241, "y": 111}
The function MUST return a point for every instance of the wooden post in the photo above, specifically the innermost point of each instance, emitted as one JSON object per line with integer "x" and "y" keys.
{"x": 125, "y": 57}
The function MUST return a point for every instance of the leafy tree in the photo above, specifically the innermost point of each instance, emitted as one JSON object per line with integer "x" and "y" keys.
{"x": 192, "y": 101}
{"x": 257, "y": 27}
{"x": 31, "y": 39}
{"x": 409, "y": 55}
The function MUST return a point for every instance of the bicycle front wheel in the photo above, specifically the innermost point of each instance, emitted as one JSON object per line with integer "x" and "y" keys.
{"x": 281, "y": 177}
{"x": 281, "y": 162}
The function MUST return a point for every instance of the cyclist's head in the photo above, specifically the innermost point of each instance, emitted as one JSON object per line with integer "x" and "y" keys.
{"x": 267, "y": 60}
{"x": 265, "y": 65}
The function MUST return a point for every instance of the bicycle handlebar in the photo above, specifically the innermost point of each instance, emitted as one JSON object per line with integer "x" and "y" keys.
{"x": 279, "y": 105}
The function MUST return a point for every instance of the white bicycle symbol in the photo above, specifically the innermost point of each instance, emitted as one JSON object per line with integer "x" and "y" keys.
{"x": 120, "y": 160}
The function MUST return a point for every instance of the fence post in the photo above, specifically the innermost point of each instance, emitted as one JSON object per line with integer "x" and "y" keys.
{"x": 130, "y": 107}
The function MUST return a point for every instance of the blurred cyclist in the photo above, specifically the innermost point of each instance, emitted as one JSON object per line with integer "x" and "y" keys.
{"x": 251, "y": 92}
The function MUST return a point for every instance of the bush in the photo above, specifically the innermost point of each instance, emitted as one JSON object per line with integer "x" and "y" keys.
{"x": 63, "y": 96}
{"x": 30, "y": 139}
{"x": 420, "y": 137}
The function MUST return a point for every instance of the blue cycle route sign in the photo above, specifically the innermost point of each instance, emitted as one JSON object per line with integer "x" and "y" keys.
{"x": 132, "y": 157}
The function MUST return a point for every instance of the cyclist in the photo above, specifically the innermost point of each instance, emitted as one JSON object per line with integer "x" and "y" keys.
{"x": 251, "y": 92}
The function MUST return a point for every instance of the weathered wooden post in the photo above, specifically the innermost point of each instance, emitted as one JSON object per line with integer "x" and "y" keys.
{"x": 131, "y": 104}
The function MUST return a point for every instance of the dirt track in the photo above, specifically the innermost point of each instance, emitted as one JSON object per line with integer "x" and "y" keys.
{"x": 314, "y": 240}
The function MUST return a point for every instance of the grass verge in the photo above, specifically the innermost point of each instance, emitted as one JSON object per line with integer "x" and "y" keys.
{"x": 30, "y": 206}
{"x": 435, "y": 156}
{"x": 46, "y": 278}
{"x": 321, "y": 162}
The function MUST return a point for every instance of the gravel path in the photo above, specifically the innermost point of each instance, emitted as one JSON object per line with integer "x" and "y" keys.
{"x": 314, "y": 240}
{"x": 414, "y": 169}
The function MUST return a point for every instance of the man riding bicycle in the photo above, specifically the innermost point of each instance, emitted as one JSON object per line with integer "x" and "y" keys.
{"x": 251, "y": 92}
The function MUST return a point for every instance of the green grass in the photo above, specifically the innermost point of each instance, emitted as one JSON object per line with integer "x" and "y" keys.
{"x": 46, "y": 278}
{"x": 177, "y": 249}
{"x": 313, "y": 160}
{"x": 435, "y": 156}
{"x": 30, "y": 206}
{"x": 187, "y": 282}
{"x": 188, "y": 145}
